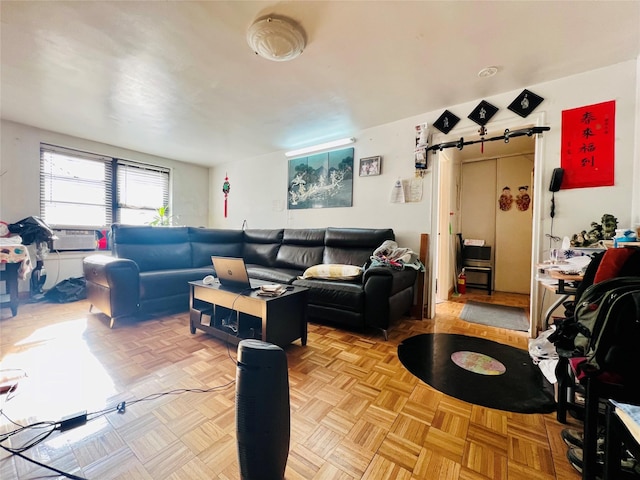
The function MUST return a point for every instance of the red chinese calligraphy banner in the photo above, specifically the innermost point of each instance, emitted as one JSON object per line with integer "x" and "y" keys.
{"x": 588, "y": 138}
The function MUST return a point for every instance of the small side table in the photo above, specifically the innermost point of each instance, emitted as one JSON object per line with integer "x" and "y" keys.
{"x": 17, "y": 264}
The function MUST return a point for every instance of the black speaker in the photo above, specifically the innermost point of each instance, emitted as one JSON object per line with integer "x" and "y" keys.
{"x": 556, "y": 179}
{"x": 262, "y": 410}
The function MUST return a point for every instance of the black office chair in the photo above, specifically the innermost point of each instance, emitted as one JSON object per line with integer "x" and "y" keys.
{"x": 478, "y": 259}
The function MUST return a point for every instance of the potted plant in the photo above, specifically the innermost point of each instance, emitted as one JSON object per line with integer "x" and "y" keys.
{"x": 162, "y": 217}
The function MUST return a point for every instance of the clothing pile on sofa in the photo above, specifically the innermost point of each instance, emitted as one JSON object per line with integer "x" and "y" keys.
{"x": 389, "y": 254}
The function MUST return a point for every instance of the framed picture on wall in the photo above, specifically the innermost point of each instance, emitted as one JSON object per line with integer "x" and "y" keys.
{"x": 322, "y": 180}
{"x": 370, "y": 166}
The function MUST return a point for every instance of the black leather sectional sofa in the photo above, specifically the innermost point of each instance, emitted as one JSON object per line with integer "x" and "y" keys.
{"x": 150, "y": 267}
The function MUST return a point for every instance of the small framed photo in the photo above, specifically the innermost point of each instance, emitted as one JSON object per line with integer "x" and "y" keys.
{"x": 370, "y": 166}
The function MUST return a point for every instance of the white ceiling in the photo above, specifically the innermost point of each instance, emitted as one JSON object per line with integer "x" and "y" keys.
{"x": 177, "y": 79}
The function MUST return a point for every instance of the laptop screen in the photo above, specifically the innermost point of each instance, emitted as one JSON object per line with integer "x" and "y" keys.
{"x": 231, "y": 272}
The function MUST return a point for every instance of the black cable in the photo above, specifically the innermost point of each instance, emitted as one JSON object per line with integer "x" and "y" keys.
{"x": 237, "y": 327}
{"x": 22, "y": 428}
{"x": 52, "y": 426}
{"x": 48, "y": 467}
{"x": 121, "y": 407}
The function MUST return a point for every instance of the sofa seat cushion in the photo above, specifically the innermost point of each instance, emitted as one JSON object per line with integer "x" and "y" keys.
{"x": 161, "y": 283}
{"x": 334, "y": 294}
{"x": 270, "y": 274}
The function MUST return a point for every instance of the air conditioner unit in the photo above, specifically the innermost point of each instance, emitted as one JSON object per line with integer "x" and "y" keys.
{"x": 75, "y": 240}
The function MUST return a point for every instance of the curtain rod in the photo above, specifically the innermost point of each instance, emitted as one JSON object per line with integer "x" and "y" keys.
{"x": 508, "y": 134}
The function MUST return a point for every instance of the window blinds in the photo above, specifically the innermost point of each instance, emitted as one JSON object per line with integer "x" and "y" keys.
{"x": 75, "y": 188}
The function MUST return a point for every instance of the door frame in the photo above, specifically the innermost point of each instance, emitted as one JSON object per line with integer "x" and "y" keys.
{"x": 511, "y": 122}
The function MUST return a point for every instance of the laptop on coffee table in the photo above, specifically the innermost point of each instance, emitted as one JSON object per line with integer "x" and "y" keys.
{"x": 232, "y": 274}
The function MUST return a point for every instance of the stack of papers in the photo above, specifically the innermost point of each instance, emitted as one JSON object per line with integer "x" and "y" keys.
{"x": 272, "y": 290}
{"x": 630, "y": 416}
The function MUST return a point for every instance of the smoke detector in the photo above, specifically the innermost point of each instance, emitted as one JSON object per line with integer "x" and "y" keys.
{"x": 487, "y": 72}
{"x": 276, "y": 38}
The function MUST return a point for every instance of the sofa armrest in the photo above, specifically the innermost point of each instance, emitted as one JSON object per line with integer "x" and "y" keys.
{"x": 400, "y": 279}
{"x": 113, "y": 284}
{"x": 380, "y": 284}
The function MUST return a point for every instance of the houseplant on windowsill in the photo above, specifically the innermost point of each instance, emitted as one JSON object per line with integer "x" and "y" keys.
{"x": 162, "y": 218}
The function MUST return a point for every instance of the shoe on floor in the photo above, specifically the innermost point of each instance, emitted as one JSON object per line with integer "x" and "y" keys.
{"x": 628, "y": 464}
{"x": 572, "y": 437}
{"x": 575, "y": 438}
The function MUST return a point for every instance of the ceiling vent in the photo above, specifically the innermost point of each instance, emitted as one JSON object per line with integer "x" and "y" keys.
{"x": 278, "y": 39}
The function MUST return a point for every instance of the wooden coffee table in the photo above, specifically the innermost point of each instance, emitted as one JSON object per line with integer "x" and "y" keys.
{"x": 278, "y": 320}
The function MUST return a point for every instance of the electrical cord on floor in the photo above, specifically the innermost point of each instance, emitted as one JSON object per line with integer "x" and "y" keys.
{"x": 80, "y": 419}
{"x": 48, "y": 467}
{"x": 39, "y": 438}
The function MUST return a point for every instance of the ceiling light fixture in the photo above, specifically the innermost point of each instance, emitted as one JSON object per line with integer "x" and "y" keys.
{"x": 276, "y": 38}
{"x": 323, "y": 146}
{"x": 488, "y": 72}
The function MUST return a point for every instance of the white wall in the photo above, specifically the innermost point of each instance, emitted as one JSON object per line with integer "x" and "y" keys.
{"x": 259, "y": 185}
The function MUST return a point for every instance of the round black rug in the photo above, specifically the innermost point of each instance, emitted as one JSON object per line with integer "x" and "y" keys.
{"x": 478, "y": 371}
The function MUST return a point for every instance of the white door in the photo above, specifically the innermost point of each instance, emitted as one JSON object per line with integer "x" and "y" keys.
{"x": 446, "y": 258}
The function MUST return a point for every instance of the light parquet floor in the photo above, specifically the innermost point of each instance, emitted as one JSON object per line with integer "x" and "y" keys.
{"x": 355, "y": 411}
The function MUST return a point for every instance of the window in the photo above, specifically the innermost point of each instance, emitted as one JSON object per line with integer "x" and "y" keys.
{"x": 79, "y": 189}
{"x": 141, "y": 191}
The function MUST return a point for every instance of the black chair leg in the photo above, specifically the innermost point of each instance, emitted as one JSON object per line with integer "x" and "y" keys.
{"x": 562, "y": 374}
{"x": 590, "y": 447}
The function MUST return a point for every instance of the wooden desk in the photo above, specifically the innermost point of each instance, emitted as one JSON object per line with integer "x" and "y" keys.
{"x": 562, "y": 278}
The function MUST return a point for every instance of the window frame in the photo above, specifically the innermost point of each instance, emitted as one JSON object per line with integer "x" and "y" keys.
{"x": 112, "y": 206}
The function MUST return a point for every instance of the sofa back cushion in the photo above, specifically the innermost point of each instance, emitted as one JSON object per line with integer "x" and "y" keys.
{"x": 301, "y": 248}
{"x": 208, "y": 242}
{"x": 261, "y": 246}
{"x": 353, "y": 246}
{"x": 152, "y": 248}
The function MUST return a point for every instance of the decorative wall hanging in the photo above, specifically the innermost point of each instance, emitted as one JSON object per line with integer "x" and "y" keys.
{"x": 226, "y": 187}
{"x": 588, "y": 138}
{"x": 483, "y": 113}
{"x": 322, "y": 180}
{"x": 522, "y": 198}
{"x": 420, "y": 151}
{"x": 446, "y": 121}
{"x": 525, "y": 103}
{"x": 506, "y": 199}
{"x": 397, "y": 192}
{"x": 370, "y": 166}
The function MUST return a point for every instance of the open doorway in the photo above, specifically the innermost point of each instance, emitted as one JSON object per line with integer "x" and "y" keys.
{"x": 495, "y": 208}
{"x": 447, "y": 215}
